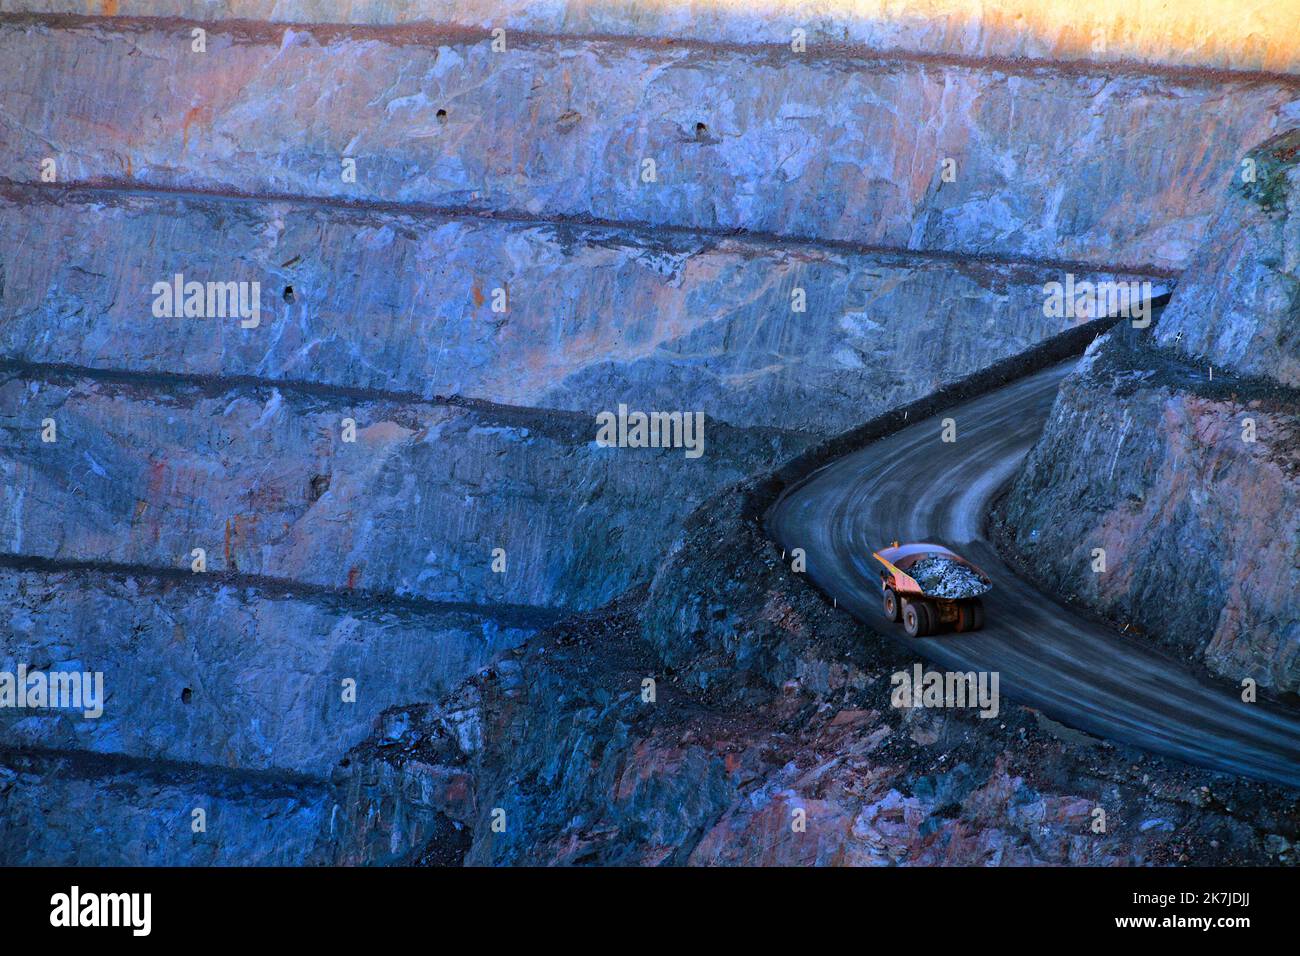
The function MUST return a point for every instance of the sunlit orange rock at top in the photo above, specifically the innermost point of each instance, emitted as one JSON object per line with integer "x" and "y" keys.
{"x": 1232, "y": 34}
{"x": 1241, "y": 34}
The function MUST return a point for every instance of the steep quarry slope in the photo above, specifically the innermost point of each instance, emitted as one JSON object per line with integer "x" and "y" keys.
{"x": 369, "y": 561}
{"x": 771, "y": 739}
{"x": 1249, "y": 34}
{"x": 1179, "y": 453}
{"x": 243, "y": 673}
{"x": 1239, "y": 302}
{"x": 501, "y": 268}
{"x": 402, "y": 302}
{"x": 851, "y": 148}
{"x": 414, "y": 506}
{"x": 67, "y": 809}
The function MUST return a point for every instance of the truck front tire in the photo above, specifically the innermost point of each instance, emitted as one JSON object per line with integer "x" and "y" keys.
{"x": 892, "y": 610}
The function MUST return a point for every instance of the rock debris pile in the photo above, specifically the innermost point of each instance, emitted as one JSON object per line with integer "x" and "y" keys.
{"x": 944, "y": 578}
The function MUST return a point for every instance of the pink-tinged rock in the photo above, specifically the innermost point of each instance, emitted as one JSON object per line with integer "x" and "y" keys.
{"x": 1238, "y": 304}
{"x": 558, "y": 127}
{"x": 1200, "y": 527}
{"x": 1248, "y": 34}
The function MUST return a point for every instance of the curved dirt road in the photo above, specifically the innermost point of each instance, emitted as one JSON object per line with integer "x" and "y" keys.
{"x": 913, "y": 487}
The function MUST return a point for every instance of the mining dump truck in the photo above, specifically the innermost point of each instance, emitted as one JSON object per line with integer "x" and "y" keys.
{"x": 927, "y": 587}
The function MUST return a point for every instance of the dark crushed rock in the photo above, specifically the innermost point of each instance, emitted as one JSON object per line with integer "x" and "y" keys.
{"x": 448, "y": 844}
{"x": 945, "y": 578}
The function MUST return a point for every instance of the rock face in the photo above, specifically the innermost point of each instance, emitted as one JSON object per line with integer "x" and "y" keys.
{"x": 1193, "y": 33}
{"x": 770, "y": 739}
{"x": 400, "y": 302}
{"x": 415, "y": 506}
{"x": 233, "y": 674}
{"x": 77, "y": 810}
{"x": 1180, "y": 458}
{"x": 242, "y": 666}
{"x": 1238, "y": 306}
{"x": 503, "y": 267}
{"x": 724, "y": 140}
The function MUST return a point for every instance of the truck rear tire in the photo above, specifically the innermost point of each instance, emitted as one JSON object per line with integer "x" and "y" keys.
{"x": 976, "y": 612}
{"x": 917, "y": 619}
{"x": 892, "y": 610}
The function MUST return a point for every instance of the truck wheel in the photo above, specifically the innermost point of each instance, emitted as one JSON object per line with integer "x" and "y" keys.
{"x": 891, "y": 605}
{"x": 911, "y": 620}
{"x": 972, "y": 615}
{"x": 916, "y": 619}
{"x": 929, "y": 618}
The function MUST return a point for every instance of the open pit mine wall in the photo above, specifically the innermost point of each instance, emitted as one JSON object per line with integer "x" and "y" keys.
{"x": 77, "y": 809}
{"x": 402, "y": 303}
{"x": 778, "y": 177}
{"x": 1181, "y": 458}
{"x": 1045, "y": 164}
{"x": 1245, "y": 35}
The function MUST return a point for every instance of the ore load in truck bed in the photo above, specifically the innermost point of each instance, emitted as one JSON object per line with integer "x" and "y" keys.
{"x": 941, "y": 577}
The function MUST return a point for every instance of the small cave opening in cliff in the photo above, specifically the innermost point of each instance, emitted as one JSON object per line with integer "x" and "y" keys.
{"x": 317, "y": 487}
{"x": 187, "y": 695}
{"x": 288, "y": 293}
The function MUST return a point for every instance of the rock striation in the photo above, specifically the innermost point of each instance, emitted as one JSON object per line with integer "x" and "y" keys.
{"x": 942, "y": 156}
